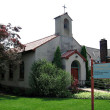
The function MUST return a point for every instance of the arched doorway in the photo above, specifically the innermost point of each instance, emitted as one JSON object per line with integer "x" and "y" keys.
{"x": 75, "y": 71}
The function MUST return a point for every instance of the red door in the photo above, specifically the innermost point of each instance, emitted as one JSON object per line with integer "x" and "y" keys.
{"x": 74, "y": 74}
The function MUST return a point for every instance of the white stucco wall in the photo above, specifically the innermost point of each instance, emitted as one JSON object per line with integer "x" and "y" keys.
{"x": 47, "y": 50}
{"x": 69, "y": 43}
{"x": 16, "y": 82}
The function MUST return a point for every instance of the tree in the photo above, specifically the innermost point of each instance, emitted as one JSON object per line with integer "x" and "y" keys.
{"x": 9, "y": 45}
{"x": 84, "y": 54}
{"x": 47, "y": 80}
{"x": 57, "y": 58}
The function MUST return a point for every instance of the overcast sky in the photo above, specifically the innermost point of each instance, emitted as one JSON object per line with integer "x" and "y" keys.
{"x": 91, "y": 18}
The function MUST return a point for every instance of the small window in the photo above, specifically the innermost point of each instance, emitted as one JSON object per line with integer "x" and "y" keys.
{"x": 2, "y": 76}
{"x": 10, "y": 71}
{"x": 21, "y": 75}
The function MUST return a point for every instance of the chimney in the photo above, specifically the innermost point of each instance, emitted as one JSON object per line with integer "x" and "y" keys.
{"x": 103, "y": 50}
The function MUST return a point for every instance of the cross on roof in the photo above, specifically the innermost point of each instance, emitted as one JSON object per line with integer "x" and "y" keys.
{"x": 64, "y": 8}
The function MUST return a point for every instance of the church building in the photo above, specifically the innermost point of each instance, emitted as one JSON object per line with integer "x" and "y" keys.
{"x": 73, "y": 62}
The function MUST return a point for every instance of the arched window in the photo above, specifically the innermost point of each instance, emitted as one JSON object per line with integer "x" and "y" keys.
{"x": 21, "y": 75}
{"x": 66, "y": 24}
{"x": 75, "y": 64}
{"x": 2, "y": 76}
{"x": 11, "y": 71}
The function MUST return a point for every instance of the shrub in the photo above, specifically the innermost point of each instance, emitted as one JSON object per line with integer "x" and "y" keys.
{"x": 48, "y": 80}
{"x": 97, "y": 95}
{"x": 102, "y": 83}
{"x": 12, "y": 90}
{"x": 57, "y": 58}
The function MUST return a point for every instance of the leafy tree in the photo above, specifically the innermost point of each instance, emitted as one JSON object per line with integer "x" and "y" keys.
{"x": 57, "y": 58}
{"x": 84, "y": 53}
{"x": 47, "y": 80}
{"x": 9, "y": 45}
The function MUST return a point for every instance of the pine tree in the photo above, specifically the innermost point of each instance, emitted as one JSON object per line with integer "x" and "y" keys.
{"x": 57, "y": 58}
{"x": 84, "y": 54}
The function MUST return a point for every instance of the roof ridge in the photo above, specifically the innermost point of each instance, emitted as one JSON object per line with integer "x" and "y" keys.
{"x": 62, "y": 15}
{"x": 40, "y": 39}
{"x": 92, "y": 47}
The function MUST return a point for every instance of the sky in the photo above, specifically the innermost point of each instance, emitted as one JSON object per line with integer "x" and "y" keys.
{"x": 91, "y": 18}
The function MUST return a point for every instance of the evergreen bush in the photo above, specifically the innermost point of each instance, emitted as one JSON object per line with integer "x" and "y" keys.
{"x": 48, "y": 80}
{"x": 103, "y": 84}
{"x": 57, "y": 58}
{"x": 84, "y": 54}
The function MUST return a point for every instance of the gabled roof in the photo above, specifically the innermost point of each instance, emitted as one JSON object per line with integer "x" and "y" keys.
{"x": 35, "y": 44}
{"x": 63, "y": 15}
{"x": 69, "y": 53}
{"x": 93, "y": 52}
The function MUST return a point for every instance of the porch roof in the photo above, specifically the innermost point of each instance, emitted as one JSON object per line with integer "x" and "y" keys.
{"x": 69, "y": 53}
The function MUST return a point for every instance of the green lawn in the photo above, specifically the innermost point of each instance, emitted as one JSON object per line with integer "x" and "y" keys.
{"x": 8, "y": 102}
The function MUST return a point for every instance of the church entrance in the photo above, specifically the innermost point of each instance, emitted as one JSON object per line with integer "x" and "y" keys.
{"x": 75, "y": 71}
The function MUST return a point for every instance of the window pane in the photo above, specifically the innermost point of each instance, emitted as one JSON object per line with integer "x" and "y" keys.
{"x": 21, "y": 71}
{"x": 10, "y": 71}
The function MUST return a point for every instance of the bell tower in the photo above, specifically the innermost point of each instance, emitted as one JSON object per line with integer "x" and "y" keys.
{"x": 63, "y": 25}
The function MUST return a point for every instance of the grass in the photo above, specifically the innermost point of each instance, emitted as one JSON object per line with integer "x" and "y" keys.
{"x": 8, "y": 102}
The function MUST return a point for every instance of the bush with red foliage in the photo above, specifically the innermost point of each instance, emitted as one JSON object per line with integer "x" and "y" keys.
{"x": 9, "y": 45}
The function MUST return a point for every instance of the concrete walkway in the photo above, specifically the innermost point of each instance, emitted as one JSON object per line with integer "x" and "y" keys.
{"x": 95, "y": 90}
